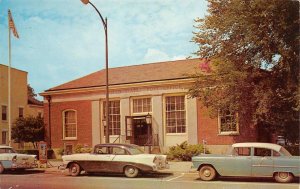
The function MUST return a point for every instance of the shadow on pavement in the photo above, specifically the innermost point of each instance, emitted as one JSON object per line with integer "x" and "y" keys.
{"x": 22, "y": 172}
{"x": 144, "y": 175}
{"x": 250, "y": 179}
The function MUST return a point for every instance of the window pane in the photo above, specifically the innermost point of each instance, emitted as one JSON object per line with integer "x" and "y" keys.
{"x": 114, "y": 116}
{"x": 175, "y": 114}
{"x": 4, "y": 113}
{"x": 70, "y": 123}
{"x": 228, "y": 122}
{"x": 142, "y": 105}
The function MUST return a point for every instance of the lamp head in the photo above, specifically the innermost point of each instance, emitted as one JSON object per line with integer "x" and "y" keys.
{"x": 85, "y": 1}
{"x": 148, "y": 119}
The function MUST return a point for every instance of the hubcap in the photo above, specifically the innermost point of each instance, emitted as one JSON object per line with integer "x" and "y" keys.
{"x": 131, "y": 170}
{"x": 283, "y": 175}
{"x": 74, "y": 169}
{"x": 206, "y": 173}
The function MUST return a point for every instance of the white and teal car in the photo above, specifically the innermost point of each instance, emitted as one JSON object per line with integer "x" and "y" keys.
{"x": 249, "y": 160}
{"x": 11, "y": 160}
{"x": 115, "y": 158}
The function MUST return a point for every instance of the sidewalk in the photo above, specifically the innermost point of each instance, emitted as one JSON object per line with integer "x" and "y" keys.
{"x": 181, "y": 166}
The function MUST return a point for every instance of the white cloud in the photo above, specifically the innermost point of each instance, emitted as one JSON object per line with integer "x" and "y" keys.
{"x": 154, "y": 55}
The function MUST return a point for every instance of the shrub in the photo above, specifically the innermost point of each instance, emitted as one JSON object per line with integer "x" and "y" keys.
{"x": 185, "y": 151}
{"x": 294, "y": 150}
{"x": 79, "y": 148}
{"x": 60, "y": 151}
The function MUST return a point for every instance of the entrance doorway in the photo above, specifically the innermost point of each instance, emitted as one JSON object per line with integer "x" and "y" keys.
{"x": 138, "y": 131}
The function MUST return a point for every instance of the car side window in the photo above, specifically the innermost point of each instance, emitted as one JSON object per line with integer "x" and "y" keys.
{"x": 118, "y": 151}
{"x": 262, "y": 152}
{"x": 276, "y": 154}
{"x": 242, "y": 151}
{"x": 101, "y": 150}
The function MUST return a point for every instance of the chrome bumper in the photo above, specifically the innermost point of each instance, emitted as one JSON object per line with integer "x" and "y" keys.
{"x": 24, "y": 166}
{"x": 62, "y": 167}
{"x": 162, "y": 166}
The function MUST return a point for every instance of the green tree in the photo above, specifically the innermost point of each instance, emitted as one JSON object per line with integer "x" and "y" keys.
{"x": 30, "y": 92}
{"x": 28, "y": 129}
{"x": 252, "y": 50}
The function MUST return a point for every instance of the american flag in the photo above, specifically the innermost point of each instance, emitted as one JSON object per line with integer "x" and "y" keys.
{"x": 12, "y": 26}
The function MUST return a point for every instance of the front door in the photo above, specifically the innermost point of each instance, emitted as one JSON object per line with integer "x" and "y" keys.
{"x": 140, "y": 131}
{"x": 137, "y": 130}
{"x": 262, "y": 162}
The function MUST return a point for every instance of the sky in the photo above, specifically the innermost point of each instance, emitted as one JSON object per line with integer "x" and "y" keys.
{"x": 62, "y": 40}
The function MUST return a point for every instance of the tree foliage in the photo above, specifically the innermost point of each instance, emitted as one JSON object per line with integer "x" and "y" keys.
{"x": 28, "y": 129}
{"x": 30, "y": 92}
{"x": 252, "y": 48}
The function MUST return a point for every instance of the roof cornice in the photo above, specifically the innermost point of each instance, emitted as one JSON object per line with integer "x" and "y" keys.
{"x": 117, "y": 86}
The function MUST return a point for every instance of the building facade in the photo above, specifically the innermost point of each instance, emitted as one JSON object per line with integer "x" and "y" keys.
{"x": 148, "y": 106}
{"x": 21, "y": 106}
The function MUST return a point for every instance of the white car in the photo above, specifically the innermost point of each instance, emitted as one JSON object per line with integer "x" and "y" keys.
{"x": 115, "y": 158}
{"x": 11, "y": 160}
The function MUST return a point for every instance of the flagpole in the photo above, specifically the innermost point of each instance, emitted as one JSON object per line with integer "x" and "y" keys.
{"x": 9, "y": 85}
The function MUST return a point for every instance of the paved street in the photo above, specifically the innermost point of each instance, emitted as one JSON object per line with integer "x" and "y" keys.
{"x": 60, "y": 180}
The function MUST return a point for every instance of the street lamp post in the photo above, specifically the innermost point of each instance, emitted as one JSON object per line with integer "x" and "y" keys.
{"x": 104, "y": 22}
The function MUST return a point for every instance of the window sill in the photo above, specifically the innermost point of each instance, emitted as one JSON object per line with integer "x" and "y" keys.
{"x": 68, "y": 139}
{"x": 175, "y": 134}
{"x": 229, "y": 134}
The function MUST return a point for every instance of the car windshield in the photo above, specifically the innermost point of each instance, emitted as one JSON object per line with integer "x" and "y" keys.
{"x": 134, "y": 150}
{"x": 7, "y": 150}
{"x": 284, "y": 151}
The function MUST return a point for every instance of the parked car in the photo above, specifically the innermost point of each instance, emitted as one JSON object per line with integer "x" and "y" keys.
{"x": 11, "y": 160}
{"x": 115, "y": 158}
{"x": 250, "y": 160}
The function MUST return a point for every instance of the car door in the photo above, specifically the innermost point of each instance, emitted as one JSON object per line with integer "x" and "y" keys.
{"x": 100, "y": 160}
{"x": 262, "y": 162}
{"x": 120, "y": 159}
{"x": 239, "y": 164}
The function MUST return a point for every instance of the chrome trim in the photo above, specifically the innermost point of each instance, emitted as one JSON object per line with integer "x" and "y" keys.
{"x": 275, "y": 166}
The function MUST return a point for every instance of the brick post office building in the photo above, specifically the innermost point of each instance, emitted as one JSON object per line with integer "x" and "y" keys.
{"x": 75, "y": 111}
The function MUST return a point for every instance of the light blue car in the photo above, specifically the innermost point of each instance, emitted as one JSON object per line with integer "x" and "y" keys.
{"x": 250, "y": 160}
{"x": 11, "y": 160}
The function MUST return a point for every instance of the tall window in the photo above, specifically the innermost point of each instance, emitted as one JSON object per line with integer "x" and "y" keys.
{"x": 114, "y": 117}
{"x": 141, "y": 105}
{"x": 4, "y": 113}
{"x": 70, "y": 124}
{"x": 4, "y": 136}
{"x": 175, "y": 114}
{"x": 228, "y": 123}
{"x": 21, "y": 112}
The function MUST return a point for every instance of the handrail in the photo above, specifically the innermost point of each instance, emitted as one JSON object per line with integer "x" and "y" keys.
{"x": 117, "y": 139}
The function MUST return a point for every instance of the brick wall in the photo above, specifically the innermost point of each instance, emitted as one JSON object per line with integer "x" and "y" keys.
{"x": 208, "y": 130}
{"x": 84, "y": 123}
